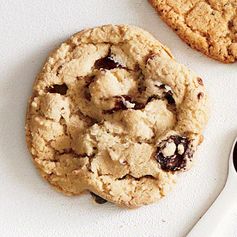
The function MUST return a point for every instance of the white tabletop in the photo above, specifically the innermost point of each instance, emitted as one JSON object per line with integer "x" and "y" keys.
{"x": 28, "y": 206}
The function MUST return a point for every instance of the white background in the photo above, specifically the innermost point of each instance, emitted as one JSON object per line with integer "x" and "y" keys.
{"x": 28, "y": 206}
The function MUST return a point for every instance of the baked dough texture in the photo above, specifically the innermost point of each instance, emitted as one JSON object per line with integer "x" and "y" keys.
{"x": 209, "y": 26}
{"x": 113, "y": 113}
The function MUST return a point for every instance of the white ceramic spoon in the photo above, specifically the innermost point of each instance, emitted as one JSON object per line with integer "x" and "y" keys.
{"x": 207, "y": 225}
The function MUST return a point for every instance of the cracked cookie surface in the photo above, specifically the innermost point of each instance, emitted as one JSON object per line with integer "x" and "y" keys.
{"x": 113, "y": 113}
{"x": 209, "y": 26}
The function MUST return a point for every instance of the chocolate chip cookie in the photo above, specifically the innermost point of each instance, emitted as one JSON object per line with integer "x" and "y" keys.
{"x": 112, "y": 112}
{"x": 209, "y": 26}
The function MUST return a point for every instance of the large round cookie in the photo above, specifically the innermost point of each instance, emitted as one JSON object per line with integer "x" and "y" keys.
{"x": 112, "y": 112}
{"x": 209, "y": 26}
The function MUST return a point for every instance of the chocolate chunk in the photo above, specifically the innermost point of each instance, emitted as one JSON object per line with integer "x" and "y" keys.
{"x": 122, "y": 103}
{"x": 153, "y": 97}
{"x": 162, "y": 86}
{"x": 119, "y": 105}
{"x": 169, "y": 97}
{"x": 172, "y": 153}
{"x": 126, "y": 97}
{"x": 166, "y": 93}
{"x": 60, "y": 89}
{"x": 136, "y": 105}
{"x": 139, "y": 105}
{"x": 98, "y": 199}
{"x": 107, "y": 63}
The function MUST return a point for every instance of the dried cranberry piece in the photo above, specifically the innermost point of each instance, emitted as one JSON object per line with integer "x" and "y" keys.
{"x": 59, "y": 89}
{"x": 172, "y": 153}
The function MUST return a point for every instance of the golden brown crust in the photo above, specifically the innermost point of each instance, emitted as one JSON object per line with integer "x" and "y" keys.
{"x": 209, "y": 26}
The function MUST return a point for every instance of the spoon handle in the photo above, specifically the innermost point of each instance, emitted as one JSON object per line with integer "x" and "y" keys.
{"x": 207, "y": 225}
